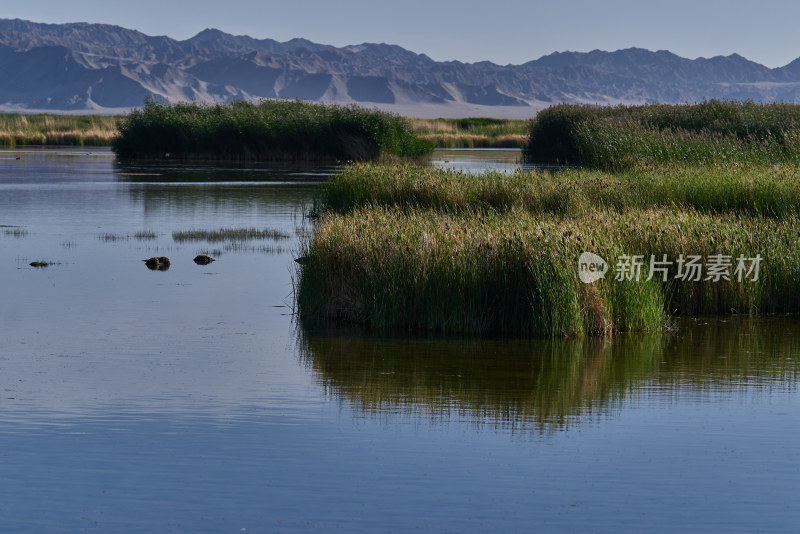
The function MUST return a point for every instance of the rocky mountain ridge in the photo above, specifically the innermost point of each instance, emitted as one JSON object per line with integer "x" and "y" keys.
{"x": 81, "y": 66}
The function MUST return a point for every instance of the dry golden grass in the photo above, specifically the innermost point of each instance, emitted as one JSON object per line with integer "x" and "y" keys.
{"x": 49, "y": 129}
{"x": 472, "y": 132}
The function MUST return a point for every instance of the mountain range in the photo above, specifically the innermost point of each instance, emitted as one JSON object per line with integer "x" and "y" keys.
{"x": 103, "y": 68}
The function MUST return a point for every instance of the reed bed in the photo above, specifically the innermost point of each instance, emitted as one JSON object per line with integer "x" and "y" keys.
{"x": 17, "y": 129}
{"x": 425, "y": 249}
{"x": 744, "y": 189}
{"x": 710, "y": 133}
{"x": 472, "y": 132}
{"x": 267, "y": 130}
{"x": 517, "y": 273}
{"x": 143, "y": 235}
{"x": 229, "y": 234}
{"x": 15, "y": 232}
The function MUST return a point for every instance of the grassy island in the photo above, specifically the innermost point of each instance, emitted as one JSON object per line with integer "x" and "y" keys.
{"x": 712, "y": 132}
{"x": 267, "y": 130}
{"x": 428, "y": 250}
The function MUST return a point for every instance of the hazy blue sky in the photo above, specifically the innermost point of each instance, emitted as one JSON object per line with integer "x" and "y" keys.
{"x": 497, "y": 30}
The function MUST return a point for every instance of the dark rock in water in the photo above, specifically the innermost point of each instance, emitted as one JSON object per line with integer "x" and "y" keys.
{"x": 157, "y": 264}
{"x": 202, "y": 259}
{"x": 39, "y": 264}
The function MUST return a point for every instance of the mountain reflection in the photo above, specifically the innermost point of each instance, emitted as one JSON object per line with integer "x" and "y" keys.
{"x": 552, "y": 384}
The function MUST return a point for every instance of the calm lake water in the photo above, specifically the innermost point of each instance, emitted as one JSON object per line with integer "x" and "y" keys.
{"x": 189, "y": 400}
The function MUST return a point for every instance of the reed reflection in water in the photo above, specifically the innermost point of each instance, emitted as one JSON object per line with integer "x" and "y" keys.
{"x": 547, "y": 385}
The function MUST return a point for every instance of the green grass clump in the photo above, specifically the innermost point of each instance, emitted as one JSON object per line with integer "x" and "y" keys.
{"x": 229, "y": 234}
{"x": 745, "y": 189}
{"x": 267, "y": 130}
{"x": 517, "y": 273}
{"x": 18, "y": 129}
{"x": 426, "y": 249}
{"x": 475, "y": 132}
{"x": 710, "y": 133}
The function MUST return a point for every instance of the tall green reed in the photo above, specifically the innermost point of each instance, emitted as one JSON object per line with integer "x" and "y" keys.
{"x": 269, "y": 129}
{"x": 712, "y": 132}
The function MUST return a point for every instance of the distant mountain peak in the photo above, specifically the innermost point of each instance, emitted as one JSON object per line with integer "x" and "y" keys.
{"x": 210, "y": 34}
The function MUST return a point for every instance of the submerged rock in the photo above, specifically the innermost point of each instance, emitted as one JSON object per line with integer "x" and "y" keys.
{"x": 157, "y": 264}
{"x": 202, "y": 259}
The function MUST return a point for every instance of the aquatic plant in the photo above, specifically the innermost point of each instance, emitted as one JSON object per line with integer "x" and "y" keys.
{"x": 746, "y": 189}
{"x": 267, "y": 130}
{"x": 143, "y": 235}
{"x": 517, "y": 273}
{"x": 229, "y": 234}
{"x": 15, "y": 231}
{"x": 621, "y": 137}
{"x": 472, "y": 132}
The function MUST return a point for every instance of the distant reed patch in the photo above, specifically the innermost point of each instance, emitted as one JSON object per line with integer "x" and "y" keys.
{"x": 709, "y": 133}
{"x": 21, "y": 129}
{"x": 15, "y": 231}
{"x": 472, "y": 132}
{"x": 230, "y": 234}
{"x": 744, "y": 189}
{"x": 267, "y": 130}
{"x": 144, "y": 235}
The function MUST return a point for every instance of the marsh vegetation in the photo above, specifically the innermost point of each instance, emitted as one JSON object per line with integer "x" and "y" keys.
{"x": 15, "y": 231}
{"x": 142, "y": 235}
{"x": 267, "y": 130}
{"x": 17, "y": 129}
{"x": 229, "y": 234}
{"x": 433, "y": 250}
{"x": 475, "y": 132}
{"x": 709, "y": 133}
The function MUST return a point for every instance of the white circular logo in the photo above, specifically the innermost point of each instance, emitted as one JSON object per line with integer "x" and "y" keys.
{"x": 591, "y": 267}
